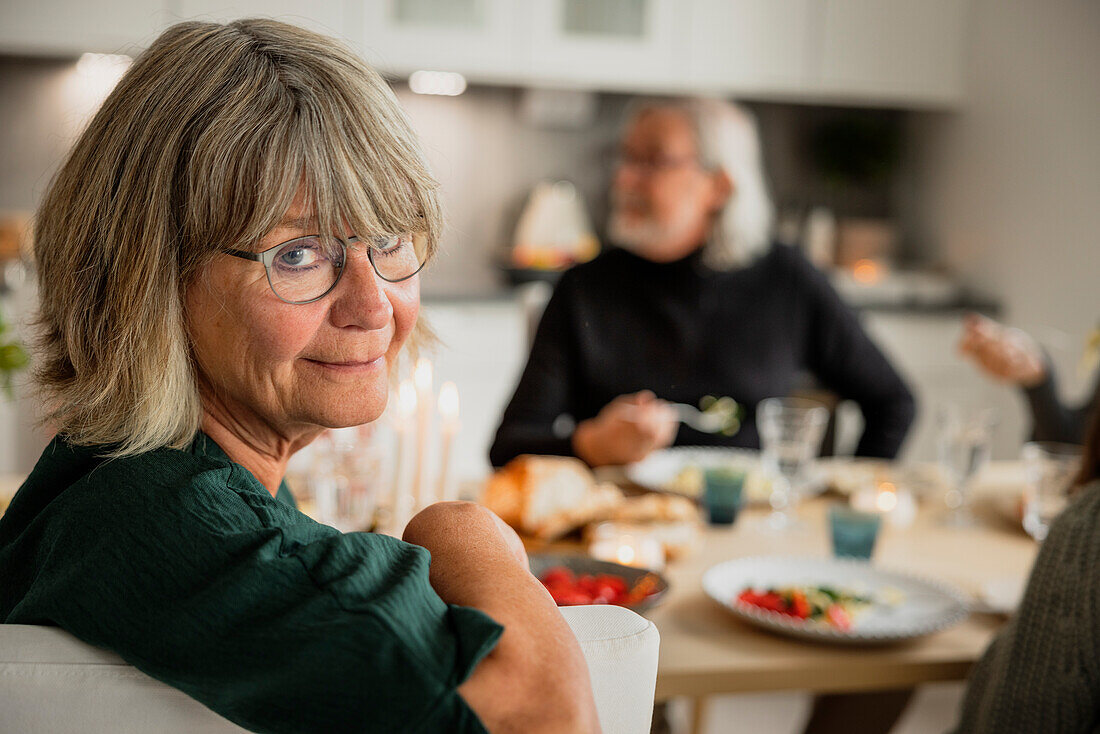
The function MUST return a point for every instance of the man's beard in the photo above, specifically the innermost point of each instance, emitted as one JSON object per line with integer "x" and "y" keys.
{"x": 642, "y": 234}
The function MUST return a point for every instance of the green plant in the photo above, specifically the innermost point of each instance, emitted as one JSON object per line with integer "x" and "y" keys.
{"x": 857, "y": 149}
{"x": 12, "y": 357}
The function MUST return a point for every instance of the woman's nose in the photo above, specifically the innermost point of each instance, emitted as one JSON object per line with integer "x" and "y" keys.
{"x": 361, "y": 299}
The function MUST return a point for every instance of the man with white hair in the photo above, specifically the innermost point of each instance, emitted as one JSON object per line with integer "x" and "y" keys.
{"x": 695, "y": 301}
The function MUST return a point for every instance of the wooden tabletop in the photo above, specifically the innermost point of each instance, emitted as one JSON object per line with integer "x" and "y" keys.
{"x": 705, "y": 649}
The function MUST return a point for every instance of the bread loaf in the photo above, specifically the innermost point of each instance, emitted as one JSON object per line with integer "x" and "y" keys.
{"x": 547, "y": 496}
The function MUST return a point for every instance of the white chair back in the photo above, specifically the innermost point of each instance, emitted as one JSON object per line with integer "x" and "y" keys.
{"x": 52, "y": 683}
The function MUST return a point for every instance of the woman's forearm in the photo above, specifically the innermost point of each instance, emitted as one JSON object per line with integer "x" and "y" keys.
{"x": 536, "y": 679}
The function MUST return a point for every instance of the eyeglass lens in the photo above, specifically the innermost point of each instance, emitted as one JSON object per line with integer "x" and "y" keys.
{"x": 306, "y": 268}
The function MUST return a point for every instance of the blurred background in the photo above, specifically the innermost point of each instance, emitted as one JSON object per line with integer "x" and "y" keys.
{"x": 934, "y": 156}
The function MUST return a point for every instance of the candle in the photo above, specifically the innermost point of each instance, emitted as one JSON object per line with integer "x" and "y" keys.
{"x": 630, "y": 546}
{"x": 402, "y": 494}
{"x": 422, "y": 380}
{"x": 897, "y": 506}
{"x": 448, "y": 415}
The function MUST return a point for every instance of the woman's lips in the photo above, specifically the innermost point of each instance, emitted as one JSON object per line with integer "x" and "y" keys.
{"x": 348, "y": 367}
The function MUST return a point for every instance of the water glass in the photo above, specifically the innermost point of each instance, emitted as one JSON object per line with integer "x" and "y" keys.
{"x": 1050, "y": 468}
{"x": 963, "y": 443}
{"x": 722, "y": 494}
{"x": 853, "y": 532}
{"x": 791, "y": 430}
{"x": 345, "y": 479}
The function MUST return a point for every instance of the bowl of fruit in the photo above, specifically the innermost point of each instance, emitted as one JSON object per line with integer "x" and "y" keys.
{"x": 574, "y": 579}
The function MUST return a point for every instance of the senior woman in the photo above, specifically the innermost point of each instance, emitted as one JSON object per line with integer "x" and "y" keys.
{"x": 228, "y": 266}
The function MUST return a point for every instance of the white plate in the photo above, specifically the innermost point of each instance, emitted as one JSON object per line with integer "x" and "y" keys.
{"x": 659, "y": 470}
{"x": 923, "y": 606}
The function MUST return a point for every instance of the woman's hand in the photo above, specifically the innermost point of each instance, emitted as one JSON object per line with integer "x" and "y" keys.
{"x": 1005, "y": 354}
{"x": 625, "y": 430}
{"x": 535, "y": 680}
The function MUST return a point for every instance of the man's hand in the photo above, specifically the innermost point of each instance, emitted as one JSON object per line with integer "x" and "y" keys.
{"x": 625, "y": 430}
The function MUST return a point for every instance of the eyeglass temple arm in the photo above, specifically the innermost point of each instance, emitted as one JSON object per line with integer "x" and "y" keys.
{"x": 253, "y": 256}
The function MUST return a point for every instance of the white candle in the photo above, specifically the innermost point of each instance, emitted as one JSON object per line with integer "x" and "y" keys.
{"x": 402, "y": 494}
{"x": 422, "y": 379}
{"x": 896, "y": 506}
{"x": 448, "y": 416}
{"x": 630, "y": 546}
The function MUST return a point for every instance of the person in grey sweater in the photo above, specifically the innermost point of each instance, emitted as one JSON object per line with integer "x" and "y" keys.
{"x": 1042, "y": 672}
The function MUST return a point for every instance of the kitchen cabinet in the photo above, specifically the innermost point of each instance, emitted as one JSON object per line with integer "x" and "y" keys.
{"x": 922, "y": 347}
{"x": 886, "y": 52}
{"x": 478, "y": 38}
{"x": 889, "y": 50}
{"x": 751, "y": 46}
{"x": 482, "y": 349}
{"x": 331, "y": 17}
{"x": 67, "y": 27}
{"x": 618, "y": 45}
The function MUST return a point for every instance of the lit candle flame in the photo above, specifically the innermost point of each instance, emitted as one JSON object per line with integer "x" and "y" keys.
{"x": 625, "y": 555}
{"x": 448, "y": 402}
{"x": 887, "y": 497}
{"x": 867, "y": 271}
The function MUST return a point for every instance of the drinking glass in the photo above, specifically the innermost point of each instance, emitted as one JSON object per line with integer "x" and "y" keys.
{"x": 963, "y": 442}
{"x": 1050, "y": 468}
{"x": 345, "y": 479}
{"x": 722, "y": 494}
{"x": 853, "y": 532}
{"x": 791, "y": 430}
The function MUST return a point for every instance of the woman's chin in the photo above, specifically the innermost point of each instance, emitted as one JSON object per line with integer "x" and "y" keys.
{"x": 348, "y": 416}
{"x": 348, "y": 410}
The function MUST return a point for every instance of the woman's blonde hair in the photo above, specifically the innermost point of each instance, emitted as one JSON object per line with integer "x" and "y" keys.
{"x": 202, "y": 146}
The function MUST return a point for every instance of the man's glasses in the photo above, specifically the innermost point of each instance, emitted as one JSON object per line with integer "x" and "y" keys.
{"x": 650, "y": 165}
{"x": 306, "y": 269}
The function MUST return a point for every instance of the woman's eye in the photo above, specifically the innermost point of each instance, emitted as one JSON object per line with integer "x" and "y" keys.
{"x": 297, "y": 256}
{"x": 300, "y": 255}
{"x": 390, "y": 244}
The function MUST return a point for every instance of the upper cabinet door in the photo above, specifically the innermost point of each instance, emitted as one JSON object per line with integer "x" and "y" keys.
{"x": 477, "y": 38}
{"x": 630, "y": 45}
{"x": 883, "y": 50}
{"x": 67, "y": 28}
{"x": 751, "y": 46}
{"x": 330, "y": 17}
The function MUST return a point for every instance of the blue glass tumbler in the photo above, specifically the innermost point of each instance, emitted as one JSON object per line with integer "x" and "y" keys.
{"x": 722, "y": 494}
{"x": 853, "y": 532}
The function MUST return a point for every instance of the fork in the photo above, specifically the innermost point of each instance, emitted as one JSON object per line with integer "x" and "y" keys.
{"x": 701, "y": 421}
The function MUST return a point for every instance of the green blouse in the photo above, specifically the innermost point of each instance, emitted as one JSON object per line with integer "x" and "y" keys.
{"x": 182, "y": 563}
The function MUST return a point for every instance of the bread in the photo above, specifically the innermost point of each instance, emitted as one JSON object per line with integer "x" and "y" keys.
{"x": 656, "y": 508}
{"x": 547, "y": 496}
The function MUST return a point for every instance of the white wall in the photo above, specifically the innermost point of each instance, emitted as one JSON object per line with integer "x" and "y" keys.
{"x": 1010, "y": 186}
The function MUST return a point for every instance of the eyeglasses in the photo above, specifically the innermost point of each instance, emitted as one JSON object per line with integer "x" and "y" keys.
{"x": 651, "y": 165}
{"x": 306, "y": 269}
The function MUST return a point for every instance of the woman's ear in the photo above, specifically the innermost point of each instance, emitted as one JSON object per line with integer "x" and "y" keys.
{"x": 722, "y": 187}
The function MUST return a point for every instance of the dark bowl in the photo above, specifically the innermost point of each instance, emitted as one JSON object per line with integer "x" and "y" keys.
{"x": 578, "y": 564}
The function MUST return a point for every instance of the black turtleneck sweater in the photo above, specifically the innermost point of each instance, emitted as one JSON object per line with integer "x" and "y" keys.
{"x": 620, "y": 324}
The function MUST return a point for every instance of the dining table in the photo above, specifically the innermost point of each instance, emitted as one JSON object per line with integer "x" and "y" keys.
{"x": 707, "y": 650}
